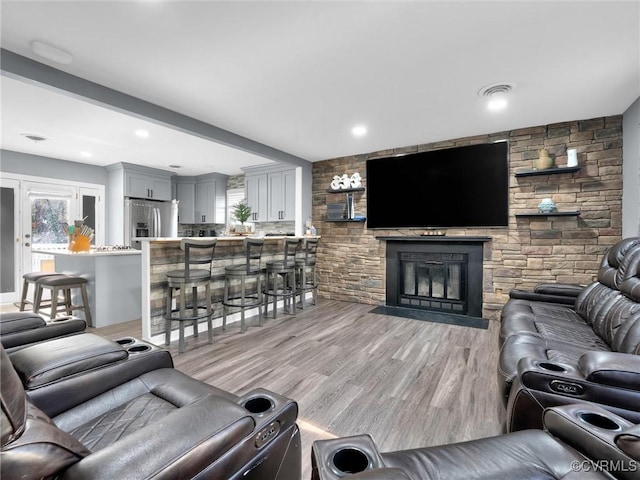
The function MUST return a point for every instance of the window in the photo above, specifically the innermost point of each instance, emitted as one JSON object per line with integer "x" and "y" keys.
{"x": 234, "y": 197}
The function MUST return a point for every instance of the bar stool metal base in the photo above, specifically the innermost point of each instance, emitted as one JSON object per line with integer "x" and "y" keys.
{"x": 243, "y": 300}
{"x": 196, "y": 313}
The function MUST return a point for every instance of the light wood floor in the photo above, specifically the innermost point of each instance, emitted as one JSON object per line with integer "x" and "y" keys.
{"x": 405, "y": 382}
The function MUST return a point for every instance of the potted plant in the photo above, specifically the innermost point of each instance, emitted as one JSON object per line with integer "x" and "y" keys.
{"x": 242, "y": 212}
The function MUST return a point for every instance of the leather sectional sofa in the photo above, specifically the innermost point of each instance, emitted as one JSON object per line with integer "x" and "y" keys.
{"x": 22, "y": 328}
{"x": 577, "y": 435}
{"x": 557, "y": 353}
{"x": 83, "y": 407}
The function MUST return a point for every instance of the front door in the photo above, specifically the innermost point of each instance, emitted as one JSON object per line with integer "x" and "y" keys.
{"x": 48, "y": 208}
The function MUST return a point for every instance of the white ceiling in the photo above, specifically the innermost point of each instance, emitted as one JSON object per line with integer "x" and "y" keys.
{"x": 298, "y": 75}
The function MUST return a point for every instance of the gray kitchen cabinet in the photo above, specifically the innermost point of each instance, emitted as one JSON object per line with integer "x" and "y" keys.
{"x": 270, "y": 192}
{"x": 146, "y": 185}
{"x": 211, "y": 199}
{"x": 281, "y": 196}
{"x": 186, "y": 195}
{"x": 255, "y": 188}
{"x": 203, "y": 199}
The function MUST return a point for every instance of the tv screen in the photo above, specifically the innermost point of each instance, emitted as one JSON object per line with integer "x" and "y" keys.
{"x": 455, "y": 187}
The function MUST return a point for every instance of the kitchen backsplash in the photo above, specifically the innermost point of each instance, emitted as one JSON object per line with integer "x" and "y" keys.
{"x": 192, "y": 230}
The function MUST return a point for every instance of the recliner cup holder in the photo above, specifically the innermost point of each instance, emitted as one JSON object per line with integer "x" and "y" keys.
{"x": 139, "y": 348}
{"x": 349, "y": 460}
{"x": 597, "y": 420}
{"x": 259, "y": 405}
{"x": 551, "y": 367}
{"x": 125, "y": 341}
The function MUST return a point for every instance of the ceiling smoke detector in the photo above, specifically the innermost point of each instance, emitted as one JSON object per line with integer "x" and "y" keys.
{"x": 34, "y": 137}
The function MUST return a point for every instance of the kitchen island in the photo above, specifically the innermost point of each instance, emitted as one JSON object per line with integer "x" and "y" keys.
{"x": 114, "y": 282}
{"x": 159, "y": 255}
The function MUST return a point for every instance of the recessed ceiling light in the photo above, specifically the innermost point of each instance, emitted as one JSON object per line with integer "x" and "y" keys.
{"x": 359, "y": 131}
{"x": 35, "y": 137}
{"x": 50, "y": 52}
{"x": 86, "y": 154}
{"x": 497, "y": 95}
{"x": 142, "y": 133}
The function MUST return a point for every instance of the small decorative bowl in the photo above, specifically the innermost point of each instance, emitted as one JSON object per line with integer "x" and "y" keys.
{"x": 547, "y": 206}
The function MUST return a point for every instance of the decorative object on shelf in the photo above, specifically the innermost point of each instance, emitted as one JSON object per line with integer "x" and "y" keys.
{"x": 547, "y": 206}
{"x": 350, "y": 206}
{"x": 572, "y": 157}
{"x": 346, "y": 181}
{"x": 242, "y": 212}
{"x": 431, "y": 232}
{"x": 80, "y": 236}
{"x": 356, "y": 180}
{"x": 543, "y": 161}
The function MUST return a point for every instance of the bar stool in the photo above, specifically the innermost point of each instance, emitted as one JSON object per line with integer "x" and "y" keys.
{"x": 62, "y": 284}
{"x": 284, "y": 269}
{"x": 306, "y": 271}
{"x": 31, "y": 279}
{"x": 250, "y": 271}
{"x": 199, "y": 253}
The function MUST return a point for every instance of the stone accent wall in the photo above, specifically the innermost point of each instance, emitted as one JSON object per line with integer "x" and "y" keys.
{"x": 351, "y": 262}
{"x": 235, "y": 181}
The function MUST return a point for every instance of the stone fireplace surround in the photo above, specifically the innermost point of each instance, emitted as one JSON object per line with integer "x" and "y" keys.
{"x": 464, "y": 251}
{"x": 352, "y": 262}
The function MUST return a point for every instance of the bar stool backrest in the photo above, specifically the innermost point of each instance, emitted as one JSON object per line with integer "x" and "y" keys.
{"x": 291, "y": 246}
{"x": 253, "y": 252}
{"x": 198, "y": 253}
{"x": 309, "y": 250}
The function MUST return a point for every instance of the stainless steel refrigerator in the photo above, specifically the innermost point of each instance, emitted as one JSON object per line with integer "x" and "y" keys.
{"x": 149, "y": 218}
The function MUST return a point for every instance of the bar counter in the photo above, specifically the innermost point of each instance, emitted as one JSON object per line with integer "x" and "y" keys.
{"x": 159, "y": 255}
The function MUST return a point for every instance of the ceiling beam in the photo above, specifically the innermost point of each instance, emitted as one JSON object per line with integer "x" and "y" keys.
{"x": 22, "y": 68}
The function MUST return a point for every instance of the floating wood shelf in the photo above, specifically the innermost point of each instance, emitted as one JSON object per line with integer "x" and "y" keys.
{"x": 349, "y": 220}
{"x": 547, "y": 171}
{"x": 345, "y": 190}
{"x": 552, "y": 214}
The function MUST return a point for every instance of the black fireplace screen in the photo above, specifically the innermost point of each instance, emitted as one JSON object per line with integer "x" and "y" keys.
{"x": 433, "y": 280}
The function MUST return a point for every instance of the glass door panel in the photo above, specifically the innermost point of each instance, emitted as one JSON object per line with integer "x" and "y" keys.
{"x": 10, "y": 273}
{"x": 50, "y": 207}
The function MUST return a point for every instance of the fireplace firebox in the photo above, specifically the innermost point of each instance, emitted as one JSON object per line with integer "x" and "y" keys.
{"x": 435, "y": 273}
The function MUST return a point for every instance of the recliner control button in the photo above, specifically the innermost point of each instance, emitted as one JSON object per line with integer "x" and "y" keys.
{"x": 566, "y": 388}
{"x": 267, "y": 434}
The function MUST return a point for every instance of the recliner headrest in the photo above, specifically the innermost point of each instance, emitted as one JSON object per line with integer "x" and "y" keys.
{"x": 619, "y": 262}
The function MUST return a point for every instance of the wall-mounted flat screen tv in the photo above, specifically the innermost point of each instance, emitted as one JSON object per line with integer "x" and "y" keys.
{"x": 454, "y": 187}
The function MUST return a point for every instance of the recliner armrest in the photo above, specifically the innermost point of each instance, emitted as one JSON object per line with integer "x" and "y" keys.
{"x": 629, "y": 441}
{"x": 592, "y": 431}
{"x": 182, "y": 444}
{"x": 611, "y": 368}
{"x": 563, "y": 289}
{"x": 542, "y": 297}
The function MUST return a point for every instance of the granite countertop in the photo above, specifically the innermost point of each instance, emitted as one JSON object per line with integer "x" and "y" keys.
{"x": 91, "y": 253}
{"x": 229, "y": 238}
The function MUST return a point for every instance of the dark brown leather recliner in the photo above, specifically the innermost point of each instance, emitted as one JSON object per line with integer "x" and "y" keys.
{"x": 23, "y": 328}
{"x": 132, "y": 423}
{"x": 583, "y": 442}
{"x": 604, "y": 320}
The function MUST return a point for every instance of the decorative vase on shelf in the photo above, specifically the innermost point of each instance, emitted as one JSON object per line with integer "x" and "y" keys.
{"x": 544, "y": 161}
{"x": 547, "y": 206}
